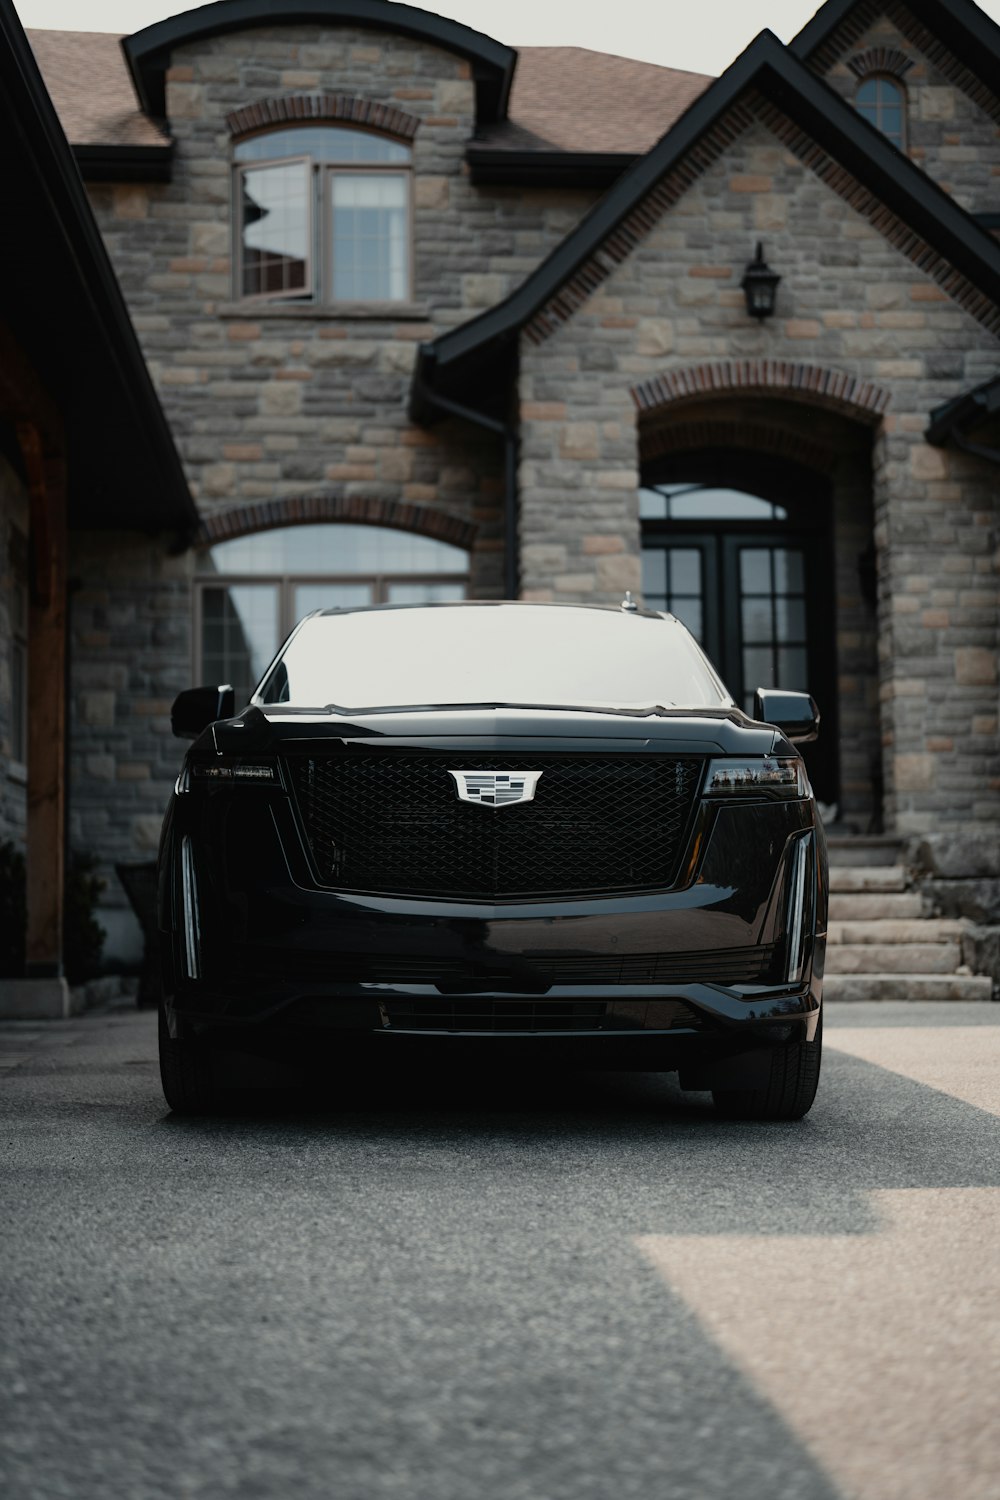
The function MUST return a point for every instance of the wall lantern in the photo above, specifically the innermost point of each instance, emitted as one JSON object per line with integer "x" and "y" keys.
{"x": 760, "y": 285}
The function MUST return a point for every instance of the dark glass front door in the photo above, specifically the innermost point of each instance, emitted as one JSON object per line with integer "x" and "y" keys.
{"x": 754, "y": 587}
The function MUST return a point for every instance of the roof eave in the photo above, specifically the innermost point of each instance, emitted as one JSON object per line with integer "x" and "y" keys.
{"x": 108, "y": 163}
{"x": 148, "y": 52}
{"x": 497, "y": 166}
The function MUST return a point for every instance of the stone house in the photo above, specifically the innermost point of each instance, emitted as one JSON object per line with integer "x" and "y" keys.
{"x": 429, "y": 317}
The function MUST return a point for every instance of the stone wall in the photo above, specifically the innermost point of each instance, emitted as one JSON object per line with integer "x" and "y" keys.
{"x": 13, "y": 540}
{"x": 130, "y": 654}
{"x": 953, "y": 137}
{"x": 270, "y": 400}
{"x": 848, "y": 302}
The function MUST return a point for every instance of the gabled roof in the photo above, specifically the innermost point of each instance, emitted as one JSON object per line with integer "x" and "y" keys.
{"x": 64, "y": 307}
{"x": 458, "y": 359}
{"x": 148, "y": 52}
{"x": 960, "y": 24}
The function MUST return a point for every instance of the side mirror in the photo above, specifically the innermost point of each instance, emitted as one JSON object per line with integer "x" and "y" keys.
{"x": 196, "y": 708}
{"x": 795, "y": 714}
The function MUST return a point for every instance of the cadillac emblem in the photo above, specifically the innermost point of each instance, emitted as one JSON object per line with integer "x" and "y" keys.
{"x": 496, "y": 788}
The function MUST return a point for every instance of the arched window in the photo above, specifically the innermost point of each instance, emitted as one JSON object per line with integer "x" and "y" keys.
{"x": 882, "y": 101}
{"x": 251, "y": 590}
{"x": 322, "y": 212}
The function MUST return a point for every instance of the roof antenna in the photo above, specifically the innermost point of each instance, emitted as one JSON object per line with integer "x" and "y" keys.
{"x": 628, "y": 604}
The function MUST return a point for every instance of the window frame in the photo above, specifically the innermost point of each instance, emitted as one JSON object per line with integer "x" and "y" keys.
{"x": 900, "y": 87}
{"x": 297, "y": 295}
{"x": 329, "y": 171}
{"x": 320, "y": 243}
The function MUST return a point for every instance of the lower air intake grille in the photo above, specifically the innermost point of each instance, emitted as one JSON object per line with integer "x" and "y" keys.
{"x": 488, "y": 1014}
{"x": 392, "y": 823}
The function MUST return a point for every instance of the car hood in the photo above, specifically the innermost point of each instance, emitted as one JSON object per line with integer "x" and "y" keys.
{"x": 721, "y": 731}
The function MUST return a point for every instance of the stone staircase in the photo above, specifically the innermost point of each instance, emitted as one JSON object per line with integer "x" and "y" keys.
{"x": 882, "y": 945}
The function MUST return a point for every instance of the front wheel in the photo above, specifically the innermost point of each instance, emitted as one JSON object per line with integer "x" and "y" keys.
{"x": 186, "y": 1073}
{"x": 788, "y": 1093}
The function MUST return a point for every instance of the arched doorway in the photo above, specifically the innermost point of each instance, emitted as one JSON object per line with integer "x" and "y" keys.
{"x": 250, "y": 590}
{"x": 771, "y": 465}
{"x": 738, "y": 546}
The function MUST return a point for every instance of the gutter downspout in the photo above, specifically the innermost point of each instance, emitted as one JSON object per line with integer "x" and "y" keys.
{"x": 506, "y": 430}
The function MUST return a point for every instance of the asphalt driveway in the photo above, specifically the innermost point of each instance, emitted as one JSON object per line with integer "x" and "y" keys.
{"x": 503, "y": 1288}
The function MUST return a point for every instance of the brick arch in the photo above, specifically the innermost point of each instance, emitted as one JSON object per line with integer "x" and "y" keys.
{"x": 769, "y": 438}
{"x": 815, "y": 385}
{"x": 361, "y": 510}
{"x": 349, "y": 109}
{"x": 880, "y": 60}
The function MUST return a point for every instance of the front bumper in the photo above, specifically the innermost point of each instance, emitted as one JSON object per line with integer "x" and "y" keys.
{"x": 695, "y": 969}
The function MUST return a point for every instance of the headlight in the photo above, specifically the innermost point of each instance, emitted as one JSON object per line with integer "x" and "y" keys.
{"x": 757, "y": 776}
{"x": 239, "y": 771}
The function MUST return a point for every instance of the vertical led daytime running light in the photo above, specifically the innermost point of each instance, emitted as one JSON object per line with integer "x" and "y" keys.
{"x": 192, "y": 926}
{"x": 797, "y": 908}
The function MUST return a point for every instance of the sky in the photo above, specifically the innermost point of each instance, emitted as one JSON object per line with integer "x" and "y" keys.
{"x": 702, "y": 37}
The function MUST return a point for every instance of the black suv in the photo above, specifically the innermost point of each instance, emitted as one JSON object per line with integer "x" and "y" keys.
{"x": 529, "y": 827}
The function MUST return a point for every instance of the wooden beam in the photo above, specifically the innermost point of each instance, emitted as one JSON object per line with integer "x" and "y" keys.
{"x": 46, "y": 828}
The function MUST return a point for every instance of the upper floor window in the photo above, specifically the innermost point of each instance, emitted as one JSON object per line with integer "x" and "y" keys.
{"x": 882, "y": 101}
{"x": 323, "y": 213}
{"x": 252, "y": 589}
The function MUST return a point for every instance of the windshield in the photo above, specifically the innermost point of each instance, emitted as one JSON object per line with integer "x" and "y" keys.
{"x": 511, "y": 654}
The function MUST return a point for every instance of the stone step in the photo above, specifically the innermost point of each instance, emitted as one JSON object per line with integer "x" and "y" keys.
{"x": 882, "y": 930}
{"x": 893, "y": 958}
{"x": 840, "y": 988}
{"x": 848, "y": 878}
{"x": 863, "y": 850}
{"x": 897, "y": 905}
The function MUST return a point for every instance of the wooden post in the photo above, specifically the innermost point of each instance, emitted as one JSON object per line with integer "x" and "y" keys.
{"x": 46, "y": 827}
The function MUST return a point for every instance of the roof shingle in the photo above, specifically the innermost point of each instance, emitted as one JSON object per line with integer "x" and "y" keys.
{"x": 86, "y": 76}
{"x": 563, "y": 98}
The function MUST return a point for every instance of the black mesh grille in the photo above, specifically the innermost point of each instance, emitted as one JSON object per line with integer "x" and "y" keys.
{"x": 524, "y": 1015}
{"x": 392, "y": 822}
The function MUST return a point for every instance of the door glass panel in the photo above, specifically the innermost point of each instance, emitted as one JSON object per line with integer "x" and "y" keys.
{"x": 689, "y": 612}
{"x": 652, "y": 505}
{"x": 654, "y": 575}
{"x": 790, "y": 616}
{"x": 685, "y": 570}
{"x": 310, "y": 596}
{"x": 755, "y": 570}
{"x": 793, "y": 671}
{"x": 240, "y": 635}
{"x": 756, "y": 615}
{"x": 788, "y": 571}
{"x": 424, "y": 593}
{"x": 758, "y": 669}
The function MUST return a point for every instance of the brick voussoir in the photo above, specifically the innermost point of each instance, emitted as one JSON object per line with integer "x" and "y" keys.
{"x": 322, "y": 106}
{"x": 367, "y": 510}
{"x": 837, "y": 388}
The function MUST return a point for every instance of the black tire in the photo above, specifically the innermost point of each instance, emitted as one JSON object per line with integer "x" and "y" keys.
{"x": 790, "y": 1091}
{"x": 186, "y": 1073}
